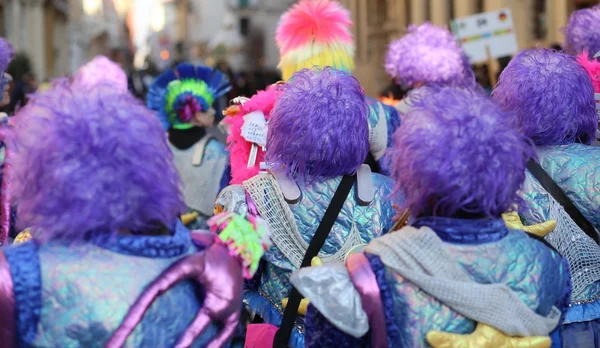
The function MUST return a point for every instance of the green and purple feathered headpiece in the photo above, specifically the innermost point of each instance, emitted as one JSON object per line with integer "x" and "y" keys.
{"x": 178, "y": 94}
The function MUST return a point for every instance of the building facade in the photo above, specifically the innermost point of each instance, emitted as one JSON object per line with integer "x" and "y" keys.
{"x": 537, "y": 23}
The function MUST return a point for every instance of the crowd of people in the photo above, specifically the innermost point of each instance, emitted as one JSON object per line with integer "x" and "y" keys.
{"x": 448, "y": 218}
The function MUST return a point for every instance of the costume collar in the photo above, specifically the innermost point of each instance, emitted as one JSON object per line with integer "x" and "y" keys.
{"x": 166, "y": 246}
{"x": 185, "y": 138}
{"x": 464, "y": 231}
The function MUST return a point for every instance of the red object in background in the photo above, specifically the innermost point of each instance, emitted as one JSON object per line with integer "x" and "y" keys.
{"x": 503, "y": 16}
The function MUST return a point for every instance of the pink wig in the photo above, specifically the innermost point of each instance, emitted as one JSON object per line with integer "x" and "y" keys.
{"x": 315, "y": 33}
{"x": 238, "y": 147}
{"x": 592, "y": 67}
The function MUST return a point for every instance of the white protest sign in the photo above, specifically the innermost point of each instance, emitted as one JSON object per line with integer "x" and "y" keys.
{"x": 493, "y": 30}
{"x": 254, "y": 129}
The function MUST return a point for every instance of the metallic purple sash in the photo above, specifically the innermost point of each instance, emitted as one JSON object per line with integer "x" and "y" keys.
{"x": 365, "y": 282}
{"x": 219, "y": 274}
{"x": 7, "y": 305}
{"x": 5, "y": 199}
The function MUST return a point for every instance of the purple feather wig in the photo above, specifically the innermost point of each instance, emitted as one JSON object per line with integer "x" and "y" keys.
{"x": 551, "y": 95}
{"x": 91, "y": 159}
{"x": 583, "y": 31}
{"x": 102, "y": 70}
{"x": 319, "y": 127}
{"x": 6, "y": 54}
{"x": 457, "y": 153}
{"x": 428, "y": 54}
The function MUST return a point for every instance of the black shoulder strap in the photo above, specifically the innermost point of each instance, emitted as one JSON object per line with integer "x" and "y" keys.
{"x": 282, "y": 337}
{"x": 558, "y": 194}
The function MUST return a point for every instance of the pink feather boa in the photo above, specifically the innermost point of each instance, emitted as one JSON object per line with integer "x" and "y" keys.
{"x": 592, "y": 67}
{"x": 239, "y": 148}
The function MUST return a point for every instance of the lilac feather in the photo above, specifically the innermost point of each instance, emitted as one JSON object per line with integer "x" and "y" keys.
{"x": 583, "y": 31}
{"x": 428, "y": 54}
{"x": 319, "y": 127}
{"x": 89, "y": 158}
{"x": 457, "y": 152}
{"x": 551, "y": 95}
{"x": 6, "y": 54}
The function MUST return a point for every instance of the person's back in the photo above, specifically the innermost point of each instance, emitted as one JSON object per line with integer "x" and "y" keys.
{"x": 318, "y": 136}
{"x": 562, "y": 129}
{"x": 79, "y": 295}
{"x": 110, "y": 263}
{"x": 184, "y": 99}
{"x": 457, "y": 269}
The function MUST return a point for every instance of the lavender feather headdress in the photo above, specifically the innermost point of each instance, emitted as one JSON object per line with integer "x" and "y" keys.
{"x": 457, "y": 152}
{"x": 89, "y": 158}
{"x": 551, "y": 96}
{"x": 102, "y": 70}
{"x": 583, "y": 31}
{"x": 428, "y": 54}
{"x": 319, "y": 127}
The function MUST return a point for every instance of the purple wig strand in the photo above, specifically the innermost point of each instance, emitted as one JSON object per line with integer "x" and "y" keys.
{"x": 91, "y": 159}
{"x": 319, "y": 127}
{"x": 428, "y": 54}
{"x": 551, "y": 95}
{"x": 457, "y": 152}
{"x": 6, "y": 54}
{"x": 583, "y": 31}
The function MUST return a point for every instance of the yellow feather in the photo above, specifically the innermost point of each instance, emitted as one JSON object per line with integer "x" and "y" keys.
{"x": 338, "y": 58}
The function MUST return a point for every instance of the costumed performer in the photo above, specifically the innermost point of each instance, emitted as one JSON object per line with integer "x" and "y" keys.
{"x": 318, "y": 33}
{"x": 427, "y": 55}
{"x": 582, "y": 39}
{"x": 111, "y": 264}
{"x": 183, "y": 100}
{"x": 317, "y": 139}
{"x": 552, "y": 98}
{"x": 456, "y": 276}
{"x": 247, "y": 147}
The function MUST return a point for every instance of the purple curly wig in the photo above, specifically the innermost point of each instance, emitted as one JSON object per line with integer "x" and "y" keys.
{"x": 457, "y": 153}
{"x": 583, "y": 31}
{"x": 428, "y": 54}
{"x": 551, "y": 95}
{"x": 6, "y": 54}
{"x": 91, "y": 159}
{"x": 319, "y": 127}
{"x": 102, "y": 70}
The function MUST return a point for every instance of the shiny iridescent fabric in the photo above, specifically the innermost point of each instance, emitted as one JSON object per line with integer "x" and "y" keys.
{"x": 371, "y": 221}
{"x": 489, "y": 253}
{"x": 77, "y": 296}
{"x": 576, "y": 169}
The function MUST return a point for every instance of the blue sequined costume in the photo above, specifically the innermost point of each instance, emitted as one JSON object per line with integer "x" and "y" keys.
{"x": 201, "y": 182}
{"x": 576, "y": 169}
{"x": 355, "y": 222}
{"x": 77, "y": 296}
{"x": 488, "y": 252}
{"x": 383, "y": 122}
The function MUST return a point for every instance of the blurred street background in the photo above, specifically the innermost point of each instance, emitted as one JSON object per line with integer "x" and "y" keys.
{"x": 54, "y": 37}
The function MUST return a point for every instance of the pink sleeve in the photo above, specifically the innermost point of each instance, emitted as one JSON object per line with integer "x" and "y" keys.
{"x": 7, "y": 305}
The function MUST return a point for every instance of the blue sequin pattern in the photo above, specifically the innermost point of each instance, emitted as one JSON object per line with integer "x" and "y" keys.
{"x": 88, "y": 289}
{"x": 576, "y": 169}
{"x": 371, "y": 221}
{"x": 392, "y": 119}
{"x": 527, "y": 266}
{"x": 536, "y": 273}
